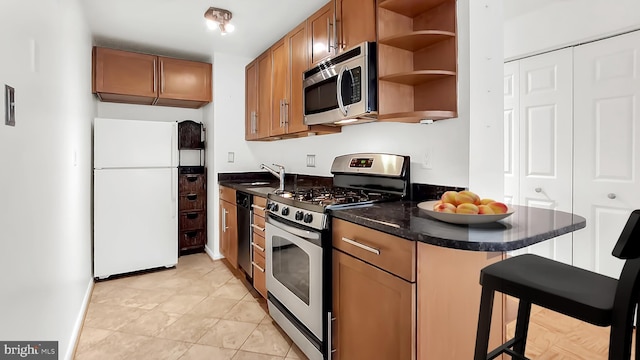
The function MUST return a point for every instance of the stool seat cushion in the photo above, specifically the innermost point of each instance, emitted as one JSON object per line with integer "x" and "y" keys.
{"x": 569, "y": 290}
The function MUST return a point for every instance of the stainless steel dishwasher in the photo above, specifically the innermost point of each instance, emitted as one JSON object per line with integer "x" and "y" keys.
{"x": 243, "y": 202}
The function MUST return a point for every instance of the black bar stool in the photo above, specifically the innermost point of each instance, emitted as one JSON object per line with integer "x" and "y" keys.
{"x": 581, "y": 294}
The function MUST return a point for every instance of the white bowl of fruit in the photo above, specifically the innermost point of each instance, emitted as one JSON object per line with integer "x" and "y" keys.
{"x": 466, "y": 207}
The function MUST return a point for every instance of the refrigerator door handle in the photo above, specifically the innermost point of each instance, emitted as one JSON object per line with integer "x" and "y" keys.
{"x": 174, "y": 145}
{"x": 174, "y": 189}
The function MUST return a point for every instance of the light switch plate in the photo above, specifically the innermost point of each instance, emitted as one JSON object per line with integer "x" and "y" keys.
{"x": 9, "y": 106}
{"x": 231, "y": 156}
{"x": 311, "y": 161}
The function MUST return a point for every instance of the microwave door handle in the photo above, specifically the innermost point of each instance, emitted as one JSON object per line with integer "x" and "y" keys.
{"x": 343, "y": 110}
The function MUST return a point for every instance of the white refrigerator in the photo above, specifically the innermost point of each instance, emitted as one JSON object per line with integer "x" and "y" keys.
{"x": 135, "y": 222}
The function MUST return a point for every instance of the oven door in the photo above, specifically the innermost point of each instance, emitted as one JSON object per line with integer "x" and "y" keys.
{"x": 294, "y": 272}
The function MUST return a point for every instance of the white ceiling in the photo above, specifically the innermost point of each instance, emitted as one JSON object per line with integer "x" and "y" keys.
{"x": 177, "y": 27}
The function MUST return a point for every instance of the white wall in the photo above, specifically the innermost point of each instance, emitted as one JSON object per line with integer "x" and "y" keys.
{"x": 45, "y": 160}
{"x": 568, "y": 22}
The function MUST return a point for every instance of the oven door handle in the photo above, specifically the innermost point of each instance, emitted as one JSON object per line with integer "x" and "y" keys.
{"x": 305, "y": 234}
{"x": 341, "y": 106}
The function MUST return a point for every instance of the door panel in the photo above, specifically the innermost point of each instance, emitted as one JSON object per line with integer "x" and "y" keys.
{"x": 546, "y": 133}
{"x": 606, "y": 147}
{"x": 297, "y": 41}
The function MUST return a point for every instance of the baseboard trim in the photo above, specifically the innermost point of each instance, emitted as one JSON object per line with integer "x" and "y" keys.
{"x": 77, "y": 328}
{"x": 211, "y": 254}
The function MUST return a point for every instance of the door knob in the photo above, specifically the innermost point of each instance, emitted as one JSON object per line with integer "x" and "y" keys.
{"x": 538, "y": 190}
{"x": 611, "y": 196}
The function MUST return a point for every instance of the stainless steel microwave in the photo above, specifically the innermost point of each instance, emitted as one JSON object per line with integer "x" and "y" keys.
{"x": 342, "y": 89}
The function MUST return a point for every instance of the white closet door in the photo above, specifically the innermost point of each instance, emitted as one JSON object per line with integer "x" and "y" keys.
{"x": 545, "y": 141}
{"x": 511, "y": 132}
{"x": 607, "y": 156}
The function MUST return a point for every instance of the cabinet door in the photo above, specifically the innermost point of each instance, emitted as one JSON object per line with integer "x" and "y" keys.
{"x": 321, "y": 38}
{"x": 251, "y": 101}
{"x": 299, "y": 63}
{"x": 124, "y": 76}
{"x": 279, "y": 98}
{"x": 264, "y": 95}
{"x": 232, "y": 233}
{"x": 182, "y": 82}
{"x": 356, "y": 22}
{"x": 374, "y": 312}
{"x": 606, "y": 141}
{"x": 224, "y": 238}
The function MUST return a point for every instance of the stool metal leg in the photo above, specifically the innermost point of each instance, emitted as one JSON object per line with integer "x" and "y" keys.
{"x": 522, "y": 326}
{"x": 484, "y": 323}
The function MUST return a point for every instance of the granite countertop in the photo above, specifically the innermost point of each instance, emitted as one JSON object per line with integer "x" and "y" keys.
{"x": 525, "y": 227}
{"x": 261, "y": 190}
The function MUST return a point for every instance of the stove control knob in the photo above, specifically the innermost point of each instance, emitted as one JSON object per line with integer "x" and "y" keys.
{"x": 285, "y": 211}
{"x": 299, "y": 215}
{"x": 308, "y": 218}
{"x": 274, "y": 207}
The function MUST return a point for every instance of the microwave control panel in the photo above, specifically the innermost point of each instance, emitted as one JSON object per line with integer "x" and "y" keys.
{"x": 352, "y": 80}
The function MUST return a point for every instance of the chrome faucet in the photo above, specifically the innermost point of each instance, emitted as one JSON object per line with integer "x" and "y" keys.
{"x": 279, "y": 174}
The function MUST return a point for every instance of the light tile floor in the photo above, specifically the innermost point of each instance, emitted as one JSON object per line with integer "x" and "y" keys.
{"x": 199, "y": 310}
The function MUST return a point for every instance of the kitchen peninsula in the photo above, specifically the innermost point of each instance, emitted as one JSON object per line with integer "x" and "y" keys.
{"x": 426, "y": 292}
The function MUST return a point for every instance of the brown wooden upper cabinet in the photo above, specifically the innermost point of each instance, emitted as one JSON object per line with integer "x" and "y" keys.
{"x": 184, "y": 83}
{"x": 355, "y": 22}
{"x": 123, "y": 76}
{"x": 274, "y": 106}
{"x": 128, "y": 77}
{"x": 251, "y": 101}
{"x": 322, "y": 39}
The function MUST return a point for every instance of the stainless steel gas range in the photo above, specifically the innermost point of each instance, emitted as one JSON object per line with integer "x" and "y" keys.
{"x": 298, "y": 240}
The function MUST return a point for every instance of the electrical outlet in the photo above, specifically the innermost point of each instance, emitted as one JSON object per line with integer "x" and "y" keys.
{"x": 311, "y": 161}
{"x": 231, "y": 156}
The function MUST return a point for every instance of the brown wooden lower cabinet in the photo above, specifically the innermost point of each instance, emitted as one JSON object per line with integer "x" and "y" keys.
{"x": 229, "y": 232}
{"x": 374, "y": 312}
{"x": 409, "y": 301}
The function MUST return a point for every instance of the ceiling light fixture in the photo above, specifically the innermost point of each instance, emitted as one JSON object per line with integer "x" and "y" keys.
{"x": 219, "y": 18}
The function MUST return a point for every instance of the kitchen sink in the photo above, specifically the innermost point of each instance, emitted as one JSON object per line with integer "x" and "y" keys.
{"x": 255, "y": 183}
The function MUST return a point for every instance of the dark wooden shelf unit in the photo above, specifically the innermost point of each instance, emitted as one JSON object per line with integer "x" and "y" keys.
{"x": 192, "y": 190}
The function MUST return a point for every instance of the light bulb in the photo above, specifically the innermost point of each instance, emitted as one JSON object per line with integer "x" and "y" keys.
{"x": 212, "y": 25}
{"x": 228, "y": 27}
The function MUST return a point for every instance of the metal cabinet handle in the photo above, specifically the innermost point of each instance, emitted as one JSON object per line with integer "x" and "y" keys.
{"x": 258, "y": 207}
{"x": 361, "y": 246}
{"x": 330, "y": 350}
{"x": 286, "y": 112}
{"x": 538, "y": 190}
{"x": 258, "y": 266}
{"x": 192, "y": 197}
{"x": 224, "y": 220}
{"x": 192, "y": 178}
{"x": 328, "y": 36}
{"x": 192, "y": 216}
{"x": 611, "y": 196}
{"x": 258, "y": 247}
{"x": 257, "y": 227}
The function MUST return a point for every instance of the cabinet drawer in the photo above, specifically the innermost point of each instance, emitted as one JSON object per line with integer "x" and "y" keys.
{"x": 259, "y": 275}
{"x": 258, "y": 225}
{"x": 228, "y": 194}
{"x": 388, "y": 252}
{"x": 259, "y": 205}
{"x": 192, "y": 238}
{"x": 192, "y": 220}
{"x": 193, "y": 201}
{"x": 259, "y": 243}
{"x": 192, "y": 183}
